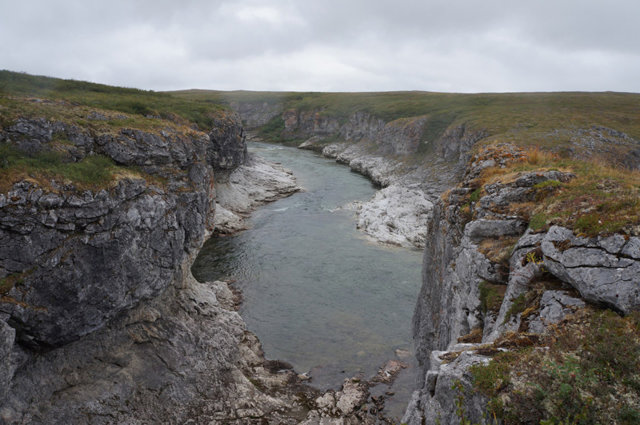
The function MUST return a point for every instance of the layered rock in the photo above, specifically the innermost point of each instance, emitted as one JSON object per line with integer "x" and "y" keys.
{"x": 604, "y": 270}
{"x": 396, "y": 215}
{"x": 75, "y": 257}
{"x": 481, "y": 245}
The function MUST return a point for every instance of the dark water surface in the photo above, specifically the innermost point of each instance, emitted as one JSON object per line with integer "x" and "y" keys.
{"x": 317, "y": 293}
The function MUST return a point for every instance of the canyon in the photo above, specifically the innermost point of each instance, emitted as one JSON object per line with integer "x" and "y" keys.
{"x": 103, "y": 211}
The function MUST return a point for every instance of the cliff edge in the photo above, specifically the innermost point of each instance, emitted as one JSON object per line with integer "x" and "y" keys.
{"x": 528, "y": 309}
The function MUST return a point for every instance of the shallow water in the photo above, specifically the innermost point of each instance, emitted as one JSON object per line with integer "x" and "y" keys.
{"x": 317, "y": 292}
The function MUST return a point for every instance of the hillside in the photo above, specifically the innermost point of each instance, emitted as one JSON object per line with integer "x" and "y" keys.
{"x": 558, "y": 121}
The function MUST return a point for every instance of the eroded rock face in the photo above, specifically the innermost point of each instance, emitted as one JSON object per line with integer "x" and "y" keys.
{"x": 228, "y": 148}
{"x": 77, "y": 258}
{"x": 184, "y": 356}
{"x": 80, "y": 259}
{"x": 449, "y": 396}
{"x": 396, "y": 215}
{"x": 480, "y": 243}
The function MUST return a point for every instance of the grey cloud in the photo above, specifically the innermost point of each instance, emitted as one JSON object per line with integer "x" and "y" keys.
{"x": 452, "y": 45}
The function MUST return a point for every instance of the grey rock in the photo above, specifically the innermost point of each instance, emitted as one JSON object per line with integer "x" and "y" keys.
{"x": 7, "y": 366}
{"x": 632, "y": 248}
{"x": 587, "y": 264}
{"x": 453, "y": 382}
{"x": 554, "y": 306}
{"x": 396, "y": 215}
{"x": 84, "y": 257}
{"x": 184, "y": 357}
{"x": 245, "y": 188}
{"x": 520, "y": 276}
{"x": 481, "y": 229}
{"x": 228, "y": 148}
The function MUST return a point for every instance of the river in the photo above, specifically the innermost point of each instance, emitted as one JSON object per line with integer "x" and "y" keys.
{"x": 317, "y": 292}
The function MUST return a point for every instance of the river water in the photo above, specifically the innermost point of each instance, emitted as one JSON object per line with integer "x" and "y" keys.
{"x": 317, "y": 292}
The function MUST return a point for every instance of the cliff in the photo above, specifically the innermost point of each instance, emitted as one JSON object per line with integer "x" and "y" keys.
{"x": 512, "y": 268}
{"x": 99, "y": 227}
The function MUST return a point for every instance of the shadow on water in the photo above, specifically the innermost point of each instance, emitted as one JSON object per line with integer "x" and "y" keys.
{"x": 316, "y": 292}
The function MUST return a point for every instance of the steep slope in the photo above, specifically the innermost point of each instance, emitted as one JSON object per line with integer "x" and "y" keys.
{"x": 516, "y": 270}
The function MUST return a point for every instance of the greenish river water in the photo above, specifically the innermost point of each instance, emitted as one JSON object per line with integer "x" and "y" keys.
{"x": 317, "y": 292}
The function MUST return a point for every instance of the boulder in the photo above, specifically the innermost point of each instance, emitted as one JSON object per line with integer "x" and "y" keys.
{"x": 604, "y": 270}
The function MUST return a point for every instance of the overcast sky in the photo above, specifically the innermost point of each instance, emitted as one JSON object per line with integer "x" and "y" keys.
{"x": 329, "y": 45}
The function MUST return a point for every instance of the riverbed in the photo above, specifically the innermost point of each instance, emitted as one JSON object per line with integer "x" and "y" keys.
{"x": 317, "y": 292}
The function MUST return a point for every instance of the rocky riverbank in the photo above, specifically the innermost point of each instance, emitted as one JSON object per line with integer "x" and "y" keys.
{"x": 393, "y": 155}
{"x": 248, "y": 186}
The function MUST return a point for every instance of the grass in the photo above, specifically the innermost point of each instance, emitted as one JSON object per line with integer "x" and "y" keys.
{"x": 92, "y": 172}
{"x": 588, "y": 374}
{"x": 601, "y": 199}
{"x": 124, "y": 100}
{"x": 518, "y": 305}
{"x": 528, "y": 119}
{"x": 491, "y": 296}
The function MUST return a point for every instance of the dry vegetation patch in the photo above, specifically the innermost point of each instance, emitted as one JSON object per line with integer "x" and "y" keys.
{"x": 601, "y": 199}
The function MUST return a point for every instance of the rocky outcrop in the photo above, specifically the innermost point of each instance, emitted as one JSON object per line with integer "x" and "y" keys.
{"x": 77, "y": 259}
{"x": 252, "y": 184}
{"x": 72, "y": 258}
{"x": 182, "y": 356}
{"x": 604, "y": 270}
{"x": 228, "y": 148}
{"x": 452, "y": 399}
{"x": 487, "y": 277}
{"x": 396, "y": 215}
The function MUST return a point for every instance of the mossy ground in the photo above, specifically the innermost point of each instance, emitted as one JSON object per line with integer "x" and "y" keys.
{"x": 96, "y": 109}
{"x": 585, "y": 371}
{"x": 134, "y": 102}
{"x": 93, "y": 172}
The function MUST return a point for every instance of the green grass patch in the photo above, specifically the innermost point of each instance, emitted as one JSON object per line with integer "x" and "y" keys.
{"x": 475, "y": 195}
{"x": 538, "y": 221}
{"x": 548, "y": 184}
{"x": 489, "y": 379}
{"x": 491, "y": 296}
{"x": 92, "y": 171}
{"x": 518, "y": 305}
{"x": 126, "y": 100}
